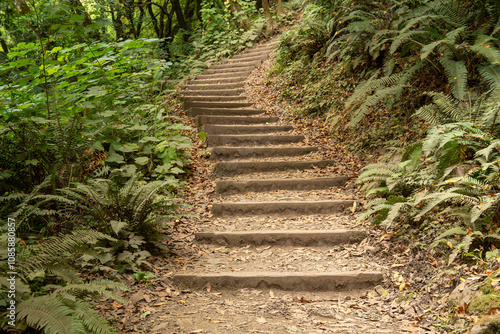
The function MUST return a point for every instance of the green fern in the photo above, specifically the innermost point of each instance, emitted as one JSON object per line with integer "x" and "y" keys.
{"x": 49, "y": 314}
{"x": 92, "y": 322}
{"x": 46, "y": 256}
{"x": 456, "y": 72}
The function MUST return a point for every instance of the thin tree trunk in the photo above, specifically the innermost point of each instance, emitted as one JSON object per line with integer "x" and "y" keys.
{"x": 4, "y": 45}
{"x": 22, "y": 7}
{"x": 140, "y": 4}
{"x": 279, "y": 7}
{"x": 79, "y": 9}
{"x": 269, "y": 18}
{"x": 154, "y": 21}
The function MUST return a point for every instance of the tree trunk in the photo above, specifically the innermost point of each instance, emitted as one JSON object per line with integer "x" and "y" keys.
{"x": 78, "y": 9}
{"x": 140, "y": 4}
{"x": 269, "y": 18}
{"x": 4, "y": 45}
{"x": 22, "y": 7}
{"x": 154, "y": 21}
{"x": 279, "y": 7}
{"x": 176, "y": 6}
{"x": 116, "y": 16}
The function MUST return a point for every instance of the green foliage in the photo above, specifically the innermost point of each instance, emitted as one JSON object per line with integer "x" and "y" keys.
{"x": 50, "y": 296}
{"x": 459, "y": 167}
{"x": 409, "y": 49}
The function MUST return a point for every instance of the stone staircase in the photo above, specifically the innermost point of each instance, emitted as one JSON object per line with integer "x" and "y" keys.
{"x": 255, "y": 155}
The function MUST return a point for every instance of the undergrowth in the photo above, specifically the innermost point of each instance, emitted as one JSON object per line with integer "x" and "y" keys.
{"x": 413, "y": 84}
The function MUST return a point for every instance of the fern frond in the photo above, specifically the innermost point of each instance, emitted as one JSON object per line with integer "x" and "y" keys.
{"x": 434, "y": 199}
{"x": 409, "y": 36}
{"x": 38, "y": 257}
{"x": 394, "y": 212}
{"x": 452, "y": 231}
{"x": 372, "y": 100}
{"x": 491, "y": 73}
{"x": 456, "y": 73}
{"x": 464, "y": 246}
{"x": 67, "y": 273}
{"x": 100, "y": 287}
{"x": 90, "y": 319}
{"x": 48, "y": 313}
{"x": 429, "y": 48}
{"x": 491, "y": 53}
{"x": 485, "y": 152}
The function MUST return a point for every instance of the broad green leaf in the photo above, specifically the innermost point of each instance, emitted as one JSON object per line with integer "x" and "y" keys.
{"x": 114, "y": 157}
{"x": 148, "y": 139}
{"x": 141, "y": 160}
{"x": 202, "y": 135}
{"x": 176, "y": 170}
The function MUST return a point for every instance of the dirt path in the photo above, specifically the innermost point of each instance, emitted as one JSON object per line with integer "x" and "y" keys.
{"x": 275, "y": 247}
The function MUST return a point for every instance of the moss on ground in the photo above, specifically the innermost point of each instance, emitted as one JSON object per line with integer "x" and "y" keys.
{"x": 488, "y": 300}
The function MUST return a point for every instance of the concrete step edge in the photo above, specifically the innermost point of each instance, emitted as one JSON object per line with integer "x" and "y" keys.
{"x": 225, "y": 153}
{"x": 290, "y": 281}
{"x": 243, "y": 120}
{"x": 293, "y": 238}
{"x": 244, "y": 167}
{"x": 229, "y": 187}
{"x": 232, "y": 140}
{"x": 279, "y": 208}
{"x": 200, "y": 111}
{"x": 213, "y": 129}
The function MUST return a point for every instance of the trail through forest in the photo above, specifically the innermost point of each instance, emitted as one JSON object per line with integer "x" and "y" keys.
{"x": 275, "y": 246}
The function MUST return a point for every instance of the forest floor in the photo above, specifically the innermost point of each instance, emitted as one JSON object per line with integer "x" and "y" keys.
{"x": 411, "y": 299}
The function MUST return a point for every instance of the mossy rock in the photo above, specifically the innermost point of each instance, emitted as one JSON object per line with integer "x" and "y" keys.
{"x": 485, "y": 299}
{"x": 481, "y": 300}
{"x": 487, "y": 325}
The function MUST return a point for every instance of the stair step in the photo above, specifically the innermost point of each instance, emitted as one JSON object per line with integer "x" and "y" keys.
{"x": 195, "y": 87}
{"x": 254, "y": 63}
{"x": 245, "y": 167}
{"x": 239, "y": 140}
{"x": 260, "y": 49}
{"x": 280, "y": 208}
{"x": 189, "y": 104}
{"x": 299, "y": 281}
{"x": 293, "y": 238}
{"x": 228, "y": 80}
{"x": 230, "y": 187}
{"x": 200, "y": 111}
{"x": 220, "y": 92}
{"x": 223, "y": 75}
{"x": 241, "y": 120}
{"x": 230, "y": 153}
{"x": 212, "y": 129}
{"x": 215, "y": 98}
{"x": 247, "y": 69}
{"x": 257, "y": 57}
